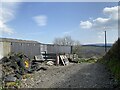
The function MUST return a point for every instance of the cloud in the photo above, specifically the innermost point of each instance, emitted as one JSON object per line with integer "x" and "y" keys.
{"x": 85, "y": 24}
{"x": 5, "y": 29}
{"x": 112, "y": 12}
{"x": 101, "y": 35}
{"x": 12, "y": 0}
{"x": 7, "y": 13}
{"x": 109, "y": 22}
{"x": 41, "y": 20}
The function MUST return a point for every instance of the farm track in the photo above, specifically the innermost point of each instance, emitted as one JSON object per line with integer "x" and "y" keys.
{"x": 84, "y": 75}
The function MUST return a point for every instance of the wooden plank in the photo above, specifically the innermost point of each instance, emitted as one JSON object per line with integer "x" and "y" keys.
{"x": 58, "y": 59}
{"x": 62, "y": 58}
{"x": 66, "y": 60}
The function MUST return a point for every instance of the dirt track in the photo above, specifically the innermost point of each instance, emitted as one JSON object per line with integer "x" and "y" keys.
{"x": 85, "y": 75}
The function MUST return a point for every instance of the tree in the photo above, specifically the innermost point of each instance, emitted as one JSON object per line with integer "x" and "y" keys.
{"x": 66, "y": 40}
{"x": 76, "y": 47}
{"x": 58, "y": 41}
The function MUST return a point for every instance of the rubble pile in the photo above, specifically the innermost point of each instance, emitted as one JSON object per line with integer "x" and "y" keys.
{"x": 14, "y": 67}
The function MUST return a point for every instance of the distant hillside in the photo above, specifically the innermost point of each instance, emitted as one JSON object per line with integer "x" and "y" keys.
{"x": 99, "y": 44}
{"x": 87, "y": 51}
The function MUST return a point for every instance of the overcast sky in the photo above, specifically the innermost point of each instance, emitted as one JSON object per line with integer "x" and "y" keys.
{"x": 43, "y": 22}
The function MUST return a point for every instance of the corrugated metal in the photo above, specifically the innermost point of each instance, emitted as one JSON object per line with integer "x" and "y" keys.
{"x": 58, "y": 49}
{"x": 50, "y": 49}
{"x": 43, "y": 47}
{"x": 30, "y": 49}
{"x": 65, "y": 49}
{"x": 6, "y": 48}
{"x": 16, "y": 40}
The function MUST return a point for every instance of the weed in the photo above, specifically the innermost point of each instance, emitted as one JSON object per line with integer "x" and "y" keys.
{"x": 88, "y": 60}
{"x": 114, "y": 66}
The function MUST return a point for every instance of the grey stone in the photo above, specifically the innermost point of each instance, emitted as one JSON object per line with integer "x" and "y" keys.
{"x": 10, "y": 78}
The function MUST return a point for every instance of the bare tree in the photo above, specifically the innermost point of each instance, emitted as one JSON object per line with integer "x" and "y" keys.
{"x": 58, "y": 41}
{"x": 66, "y": 40}
{"x": 76, "y": 47}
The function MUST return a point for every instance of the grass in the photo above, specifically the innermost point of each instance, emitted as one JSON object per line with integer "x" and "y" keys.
{"x": 114, "y": 66}
{"x": 26, "y": 76}
{"x": 15, "y": 84}
{"x": 112, "y": 60}
{"x": 89, "y": 60}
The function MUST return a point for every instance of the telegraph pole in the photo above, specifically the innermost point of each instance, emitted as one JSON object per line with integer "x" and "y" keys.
{"x": 105, "y": 43}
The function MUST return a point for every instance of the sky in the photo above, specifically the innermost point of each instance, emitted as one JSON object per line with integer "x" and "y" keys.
{"x": 45, "y": 21}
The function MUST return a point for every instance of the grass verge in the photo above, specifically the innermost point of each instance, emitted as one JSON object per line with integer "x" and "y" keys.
{"x": 114, "y": 66}
{"x": 89, "y": 60}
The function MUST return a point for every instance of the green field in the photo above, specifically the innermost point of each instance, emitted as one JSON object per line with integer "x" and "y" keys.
{"x": 90, "y": 51}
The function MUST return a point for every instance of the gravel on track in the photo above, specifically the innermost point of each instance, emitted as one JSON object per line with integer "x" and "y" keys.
{"x": 83, "y": 75}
